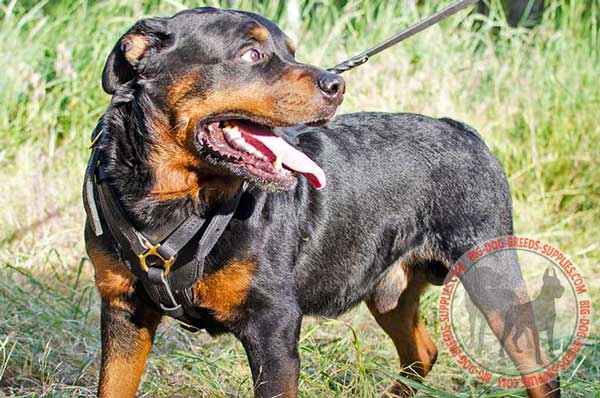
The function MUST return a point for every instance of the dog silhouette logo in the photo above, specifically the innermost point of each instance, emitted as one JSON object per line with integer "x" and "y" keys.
{"x": 537, "y": 315}
{"x": 541, "y": 311}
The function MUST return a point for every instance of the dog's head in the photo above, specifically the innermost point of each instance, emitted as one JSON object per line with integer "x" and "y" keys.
{"x": 215, "y": 84}
{"x": 552, "y": 284}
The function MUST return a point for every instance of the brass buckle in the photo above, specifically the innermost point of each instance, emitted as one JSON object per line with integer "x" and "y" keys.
{"x": 153, "y": 251}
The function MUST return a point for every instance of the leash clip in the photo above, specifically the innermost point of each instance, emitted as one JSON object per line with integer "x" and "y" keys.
{"x": 153, "y": 252}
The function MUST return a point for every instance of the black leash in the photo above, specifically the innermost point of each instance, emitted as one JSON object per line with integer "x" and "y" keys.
{"x": 397, "y": 38}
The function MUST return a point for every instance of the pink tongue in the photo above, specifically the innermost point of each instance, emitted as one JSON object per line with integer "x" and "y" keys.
{"x": 292, "y": 158}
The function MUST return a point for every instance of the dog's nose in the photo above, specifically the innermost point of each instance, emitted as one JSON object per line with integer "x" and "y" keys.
{"x": 331, "y": 85}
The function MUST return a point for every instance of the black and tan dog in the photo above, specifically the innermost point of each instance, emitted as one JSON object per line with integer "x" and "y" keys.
{"x": 195, "y": 100}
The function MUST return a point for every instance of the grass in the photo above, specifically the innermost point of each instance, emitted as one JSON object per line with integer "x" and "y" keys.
{"x": 533, "y": 95}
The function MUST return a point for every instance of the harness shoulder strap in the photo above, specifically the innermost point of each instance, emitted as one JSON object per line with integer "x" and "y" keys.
{"x": 166, "y": 260}
{"x": 89, "y": 191}
{"x": 173, "y": 292}
{"x": 168, "y": 267}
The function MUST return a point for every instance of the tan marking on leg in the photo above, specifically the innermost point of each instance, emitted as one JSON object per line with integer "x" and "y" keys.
{"x": 128, "y": 324}
{"x": 526, "y": 359}
{"x": 113, "y": 280}
{"x": 122, "y": 371}
{"x": 226, "y": 289}
{"x": 403, "y": 324}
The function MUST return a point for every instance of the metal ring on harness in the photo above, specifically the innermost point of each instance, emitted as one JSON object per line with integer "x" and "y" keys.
{"x": 153, "y": 252}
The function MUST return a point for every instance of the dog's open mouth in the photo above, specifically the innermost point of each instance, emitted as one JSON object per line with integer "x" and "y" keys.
{"x": 260, "y": 151}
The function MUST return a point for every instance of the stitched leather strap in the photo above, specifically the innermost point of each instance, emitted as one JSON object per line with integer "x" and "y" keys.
{"x": 173, "y": 293}
{"x": 167, "y": 261}
{"x": 89, "y": 191}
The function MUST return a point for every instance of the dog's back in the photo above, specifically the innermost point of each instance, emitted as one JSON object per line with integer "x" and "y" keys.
{"x": 401, "y": 185}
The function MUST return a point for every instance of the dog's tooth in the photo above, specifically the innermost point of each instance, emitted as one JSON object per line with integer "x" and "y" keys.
{"x": 232, "y": 135}
{"x": 261, "y": 156}
{"x": 238, "y": 142}
{"x": 249, "y": 148}
{"x": 235, "y": 132}
{"x": 277, "y": 163}
{"x": 231, "y": 127}
{"x": 235, "y": 138}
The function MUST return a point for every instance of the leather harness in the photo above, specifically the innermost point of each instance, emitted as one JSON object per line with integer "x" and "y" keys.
{"x": 168, "y": 260}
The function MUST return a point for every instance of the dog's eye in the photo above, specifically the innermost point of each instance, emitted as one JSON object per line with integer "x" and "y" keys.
{"x": 251, "y": 55}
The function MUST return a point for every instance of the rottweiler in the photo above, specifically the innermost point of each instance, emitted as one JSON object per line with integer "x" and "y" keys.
{"x": 366, "y": 207}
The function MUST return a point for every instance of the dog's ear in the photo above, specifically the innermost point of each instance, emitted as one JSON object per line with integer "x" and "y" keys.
{"x": 121, "y": 65}
{"x": 547, "y": 273}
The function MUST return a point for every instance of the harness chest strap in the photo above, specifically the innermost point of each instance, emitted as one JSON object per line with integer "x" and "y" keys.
{"x": 173, "y": 260}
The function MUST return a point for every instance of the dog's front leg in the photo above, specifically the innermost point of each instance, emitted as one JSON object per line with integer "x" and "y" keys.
{"x": 128, "y": 324}
{"x": 127, "y": 336}
{"x": 270, "y": 338}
